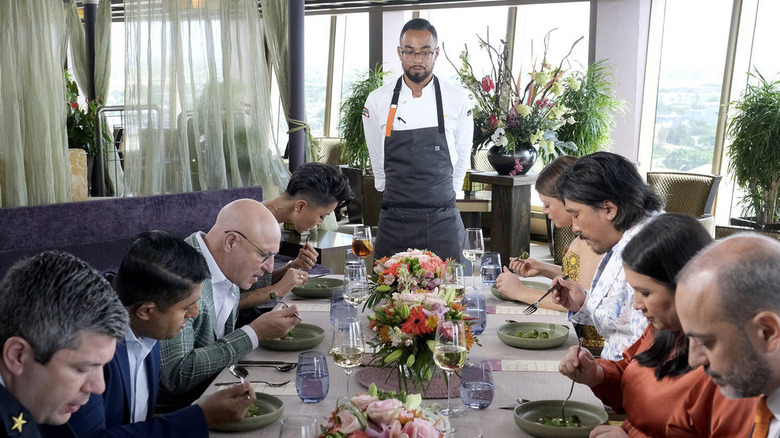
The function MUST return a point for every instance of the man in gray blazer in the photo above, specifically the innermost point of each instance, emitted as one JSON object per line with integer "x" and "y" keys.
{"x": 238, "y": 249}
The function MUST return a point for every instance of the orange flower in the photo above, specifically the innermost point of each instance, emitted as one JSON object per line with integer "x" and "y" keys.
{"x": 469, "y": 339}
{"x": 384, "y": 334}
{"x": 416, "y": 323}
{"x": 432, "y": 323}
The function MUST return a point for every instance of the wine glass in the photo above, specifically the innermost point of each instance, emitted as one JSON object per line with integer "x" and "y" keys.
{"x": 298, "y": 426}
{"x": 455, "y": 279}
{"x": 449, "y": 353}
{"x": 356, "y": 290}
{"x": 362, "y": 244}
{"x": 473, "y": 248}
{"x": 347, "y": 347}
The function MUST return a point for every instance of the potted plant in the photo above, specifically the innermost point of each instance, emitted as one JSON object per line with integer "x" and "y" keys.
{"x": 354, "y": 151}
{"x": 754, "y": 152}
{"x": 82, "y": 124}
{"x": 594, "y": 107}
{"x": 518, "y": 121}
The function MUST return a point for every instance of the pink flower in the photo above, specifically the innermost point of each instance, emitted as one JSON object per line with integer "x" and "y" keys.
{"x": 349, "y": 423}
{"x": 420, "y": 428}
{"x": 492, "y": 122}
{"x": 363, "y": 400}
{"x": 384, "y": 411}
{"x": 487, "y": 84}
{"x": 517, "y": 169}
{"x": 73, "y": 105}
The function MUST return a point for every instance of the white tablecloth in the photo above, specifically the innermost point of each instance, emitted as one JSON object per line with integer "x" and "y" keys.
{"x": 528, "y": 374}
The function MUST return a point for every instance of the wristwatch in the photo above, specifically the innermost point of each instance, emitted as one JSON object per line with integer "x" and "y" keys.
{"x": 273, "y": 295}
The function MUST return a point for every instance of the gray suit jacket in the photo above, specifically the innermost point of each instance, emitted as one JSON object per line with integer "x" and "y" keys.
{"x": 196, "y": 354}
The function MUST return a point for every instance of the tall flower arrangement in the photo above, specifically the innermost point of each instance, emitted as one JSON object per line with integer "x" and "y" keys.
{"x": 508, "y": 112}
{"x": 408, "y": 303}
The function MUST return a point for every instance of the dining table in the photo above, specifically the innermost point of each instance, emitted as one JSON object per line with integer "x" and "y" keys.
{"x": 517, "y": 373}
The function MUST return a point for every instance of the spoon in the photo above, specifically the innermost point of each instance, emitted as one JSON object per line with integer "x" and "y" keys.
{"x": 571, "y": 389}
{"x": 239, "y": 372}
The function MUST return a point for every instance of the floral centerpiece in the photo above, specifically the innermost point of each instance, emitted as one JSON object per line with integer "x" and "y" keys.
{"x": 512, "y": 115}
{"x": 408, "y": 302}
{"x": 379, "y": 414}
{"x": 82, "y": 119}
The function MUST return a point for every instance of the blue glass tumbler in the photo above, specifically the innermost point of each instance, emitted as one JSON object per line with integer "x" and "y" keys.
{"x": 312, "y": 380}
{"x": 475, "y": 308}
{"x": 340, "y": 308}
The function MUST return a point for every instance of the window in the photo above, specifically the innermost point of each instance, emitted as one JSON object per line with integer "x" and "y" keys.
{"x": 689, "y": 84}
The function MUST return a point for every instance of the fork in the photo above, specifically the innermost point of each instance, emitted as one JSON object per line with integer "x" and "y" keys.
{"x": 530, "y": 310}
{"x": 270, "y": 384}
{"x": 571, "y": 389}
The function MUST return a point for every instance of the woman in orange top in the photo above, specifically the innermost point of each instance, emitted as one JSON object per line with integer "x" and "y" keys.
{"x": 653, "y": 383}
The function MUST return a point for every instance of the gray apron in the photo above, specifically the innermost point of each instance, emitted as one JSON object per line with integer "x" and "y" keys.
{"x": 418, "y": 204}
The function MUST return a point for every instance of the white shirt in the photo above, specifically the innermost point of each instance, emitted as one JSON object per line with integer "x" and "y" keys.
{"x": 137, "y": 351}
{"x": 420, "y": 112}
{"x": 225, "y": 294}
{"x": 773, "y": 403}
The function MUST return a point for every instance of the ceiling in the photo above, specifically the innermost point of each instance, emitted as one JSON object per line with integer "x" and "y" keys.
{"x": 317, "y": 7}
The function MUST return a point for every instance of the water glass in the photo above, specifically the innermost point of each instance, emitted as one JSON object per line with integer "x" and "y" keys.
{"x": 352, "y": 259}
{"x": 476, "y": 383}
{"x": 491, "y": 267}
{"x": 455, "y": 279}
{"x": 298, "y": 426}
{"x": 475, "y": 308}
{"x": 340, "y": 308}
{"x": 312, "y": 380}
{"x": 357, "y": 284}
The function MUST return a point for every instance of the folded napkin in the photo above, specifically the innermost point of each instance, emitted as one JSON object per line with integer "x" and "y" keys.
{"x": 517, "y": 310}
{"x": 524, "y": 365}
{"x": 288, "y": 389}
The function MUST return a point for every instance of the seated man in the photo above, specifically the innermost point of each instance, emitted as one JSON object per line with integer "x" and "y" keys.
{"x": 60, "y": 324}
{"x": 159, "y": 282}
{"x": 728, "y": 301}
{"x": 238, "y": 249}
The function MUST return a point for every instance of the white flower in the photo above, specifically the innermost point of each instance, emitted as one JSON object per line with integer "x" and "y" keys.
{"x": 535, "y": 137}
{"x": 570, "y": 120}
{"x": 556, "y": 88}
{"x": 499, "y": 137}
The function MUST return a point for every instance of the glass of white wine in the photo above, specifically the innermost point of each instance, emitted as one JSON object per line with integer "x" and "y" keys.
{"x": 449, "y": 353}
{"x": 473, "y": 248}
{"x": 455, "y": 279}
{"x": 347, "y": 347}
{"x": 356, "y": 291}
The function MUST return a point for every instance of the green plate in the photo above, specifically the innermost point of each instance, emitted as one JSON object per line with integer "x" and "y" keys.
{"x": 318, "y": 287}
{"x": 527, "y": 283}
{"x": 271, "y": 409}
{"x": 558, "y": 335}
{"x": 526, "y": 415}
{"x": 304, "y": 337}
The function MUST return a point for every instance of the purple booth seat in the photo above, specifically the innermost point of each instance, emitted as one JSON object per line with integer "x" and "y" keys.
{"x": 100, "y": 231}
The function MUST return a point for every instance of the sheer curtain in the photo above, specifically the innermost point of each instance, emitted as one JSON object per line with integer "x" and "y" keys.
{"x": 197, "y": 98}
{"x": 34, "y": 166}
{"x": 275, "y": 16}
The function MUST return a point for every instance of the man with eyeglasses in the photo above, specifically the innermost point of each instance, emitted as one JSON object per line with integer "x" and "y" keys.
{"x": 238, "y": 249}
{"x": 419, "y": 134}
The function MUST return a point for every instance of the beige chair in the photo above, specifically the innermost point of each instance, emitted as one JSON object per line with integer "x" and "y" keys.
{"x": 688, "y": 193}
{"x": 328, "y": 150}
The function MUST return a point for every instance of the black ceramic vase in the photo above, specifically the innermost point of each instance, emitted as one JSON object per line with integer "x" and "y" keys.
{"x": 504, "y": 161}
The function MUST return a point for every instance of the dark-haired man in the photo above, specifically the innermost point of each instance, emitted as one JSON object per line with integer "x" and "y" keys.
{"x": 159, "y": 283}
{"x": 728, "y": 301}
{"x": 60, "y": 323}
{"x": 419, "y": 135}
{"x": 609, "y": 203}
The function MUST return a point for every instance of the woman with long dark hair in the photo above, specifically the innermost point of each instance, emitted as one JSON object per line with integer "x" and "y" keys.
{"x": 653, "y": 383}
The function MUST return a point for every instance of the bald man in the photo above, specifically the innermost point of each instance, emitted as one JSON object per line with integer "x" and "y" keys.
{"x": 728, "y": 301}
{"x": 238, "y": 249}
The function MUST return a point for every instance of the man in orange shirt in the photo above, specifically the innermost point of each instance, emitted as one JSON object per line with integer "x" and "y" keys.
{"x": 728, "y": 302}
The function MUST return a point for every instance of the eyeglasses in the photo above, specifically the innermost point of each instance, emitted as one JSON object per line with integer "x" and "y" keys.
{"x": 263, "y": 254}
{"x": 410, "y": 56}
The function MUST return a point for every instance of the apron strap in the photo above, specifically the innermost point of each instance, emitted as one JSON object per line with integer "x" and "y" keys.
{"x": 393, "y": 107}
{"x": 439, "y": 111}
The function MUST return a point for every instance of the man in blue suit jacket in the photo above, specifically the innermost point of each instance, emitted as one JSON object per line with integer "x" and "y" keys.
{"x": 159, "y": 282}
